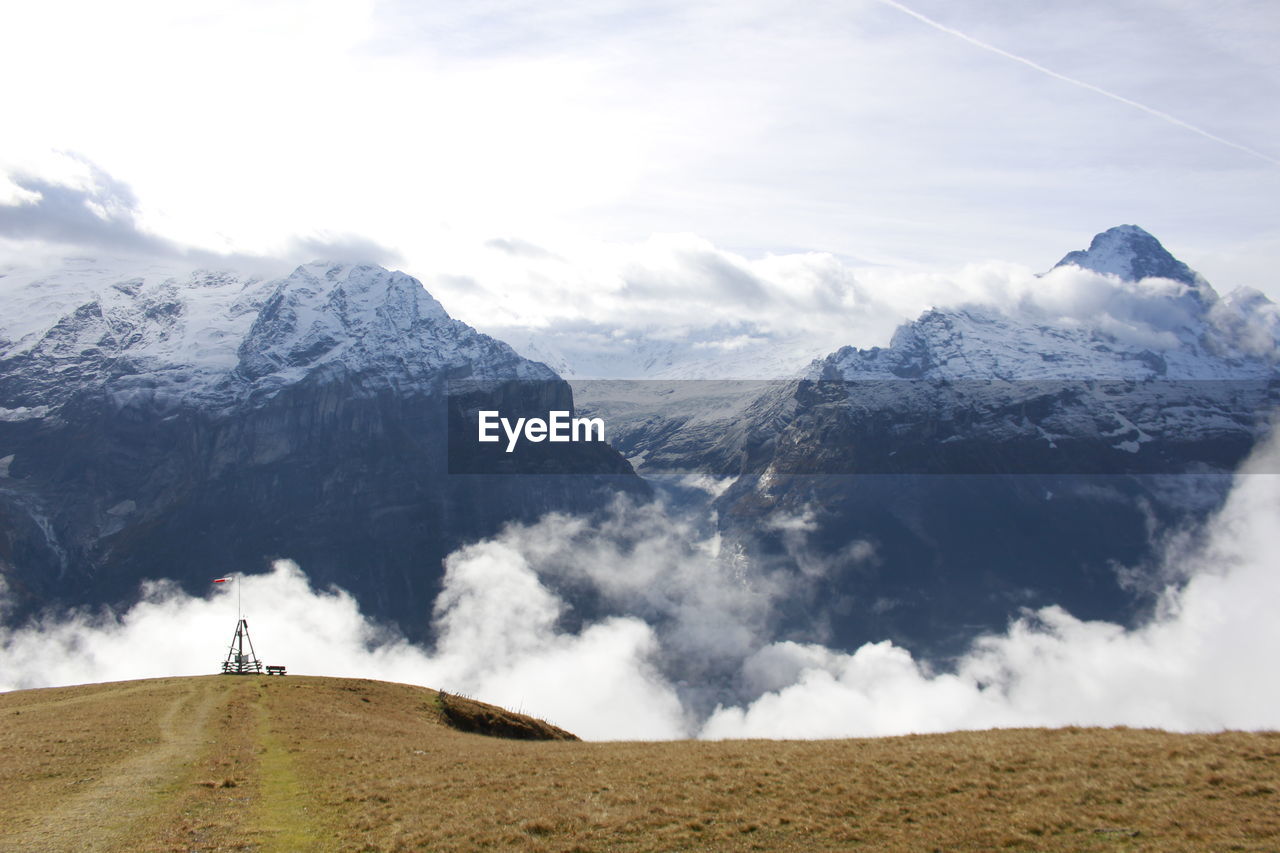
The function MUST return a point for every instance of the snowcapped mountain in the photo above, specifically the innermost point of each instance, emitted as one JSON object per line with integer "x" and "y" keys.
{"x": 1205, "y": 366}
{"x": 1165, "y": 360}
{"x": 1131, "y": 254}
{"x": 976, "y": 342}
{"x": 988, "y": 459}
{"x": 214, "y": 339}
{"x": 1191, "y": 371}
{"x": 1168, "y": 325}
{"x": 161, "y": 422}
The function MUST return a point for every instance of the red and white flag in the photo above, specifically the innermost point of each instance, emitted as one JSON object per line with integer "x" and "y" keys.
{"x": 221, "y": 580}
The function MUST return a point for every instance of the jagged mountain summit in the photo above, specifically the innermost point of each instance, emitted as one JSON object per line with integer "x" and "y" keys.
{"x": 1150, "y": 317}
{"x": 158, "y": 422}
{"x": 1132, "y": 254}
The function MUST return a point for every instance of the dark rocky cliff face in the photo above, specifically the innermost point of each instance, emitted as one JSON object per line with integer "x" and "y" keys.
{"x": 931, "y": 560}
{"x": 927, "y": 513}
{"x": 354, "y": 486}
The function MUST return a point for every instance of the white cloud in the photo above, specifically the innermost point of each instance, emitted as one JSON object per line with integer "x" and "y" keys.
{"x": 497, "y": 643}
{"x": 498, "y": 640}
{"x": 1205, "y": 661}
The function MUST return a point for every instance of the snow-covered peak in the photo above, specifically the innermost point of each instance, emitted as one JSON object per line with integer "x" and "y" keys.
{"x": 986, "y": 344}
{"x": 1124, "y": 309}
{"x": 146, "y": 310}
{"x": 323, "y": 311}
{"x": 215, "y": 338}
{"x": 363, "y": 292}
{"x": 1132, "y": 254}
{"x": 976, "y": 343}
{"x": 1157, "y": 338}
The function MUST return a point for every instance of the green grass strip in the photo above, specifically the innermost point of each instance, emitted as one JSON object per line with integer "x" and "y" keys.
{"x": 285, "y": 816}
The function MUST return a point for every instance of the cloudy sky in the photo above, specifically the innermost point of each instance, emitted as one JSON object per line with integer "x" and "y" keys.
{"x": 928, "y": 135}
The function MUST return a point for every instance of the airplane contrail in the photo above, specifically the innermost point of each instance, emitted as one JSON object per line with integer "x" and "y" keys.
{"x": 1174, "y": 120}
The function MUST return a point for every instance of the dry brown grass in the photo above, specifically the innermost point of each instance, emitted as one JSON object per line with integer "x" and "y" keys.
{"x": 101, "y": 766}
{"x": 341, "y": 764}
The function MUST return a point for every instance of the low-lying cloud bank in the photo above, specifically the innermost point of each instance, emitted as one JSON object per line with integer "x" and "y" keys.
{"x": 1203, "y": 661}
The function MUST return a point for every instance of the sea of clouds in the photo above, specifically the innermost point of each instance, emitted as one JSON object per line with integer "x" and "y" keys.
{"x": 695, "y": 625}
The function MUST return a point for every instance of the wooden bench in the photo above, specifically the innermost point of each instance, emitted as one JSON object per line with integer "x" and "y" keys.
{"x": 275, "y": 670}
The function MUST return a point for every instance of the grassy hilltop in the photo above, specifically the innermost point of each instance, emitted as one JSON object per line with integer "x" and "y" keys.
{"x": 297, "y": 763}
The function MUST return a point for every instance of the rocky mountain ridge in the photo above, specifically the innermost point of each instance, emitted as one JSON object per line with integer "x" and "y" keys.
{"x": 214, "y": 339}
{"x": 1131, "y": 254}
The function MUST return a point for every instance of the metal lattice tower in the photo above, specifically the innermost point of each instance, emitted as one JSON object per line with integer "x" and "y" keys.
{"x": 237, "y": 662}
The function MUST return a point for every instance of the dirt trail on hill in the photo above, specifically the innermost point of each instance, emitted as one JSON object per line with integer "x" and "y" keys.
{"x": 108, "y": 813}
